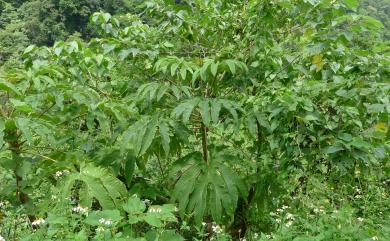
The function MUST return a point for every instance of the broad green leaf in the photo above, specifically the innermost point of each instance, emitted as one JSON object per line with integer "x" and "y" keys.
{"x": 8, "y": 87}
{"x": 204, "y": 110}
{"x": 24, "y": 125}
{"x": 352, "y": 4}
{"x": 164, "y": 132}
{"x": 147, "y": 139}
{"x": 214, "y": 68}
{"x": 215, "y": 109}
{"x": 134, "y": 205}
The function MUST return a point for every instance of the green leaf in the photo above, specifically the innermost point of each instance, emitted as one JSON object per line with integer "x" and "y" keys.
{"x": 147, "y": 139}
{"x": 164, "y": 132}
{"x": 23, "y": 124}
{"x": 153, "y": 220}
{"x": 2, "y": 128}
{"x": 352, "y": 4}
{"x": 185, "y": 109}
{"x": 170, "y": 235}
{"x": 215, "y": 109}
{"x": 214, "y": 68}
{"x": 134, "y": 206}
{"x": 204, "y": 110}
{"x": 333, "y": 149}
{"x": 232, "y": 66}
{"x": 21, "y": 106}
{"x": 8, "y": 87}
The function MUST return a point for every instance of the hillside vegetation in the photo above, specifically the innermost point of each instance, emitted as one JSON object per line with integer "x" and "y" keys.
{"x": 194, "y": 120}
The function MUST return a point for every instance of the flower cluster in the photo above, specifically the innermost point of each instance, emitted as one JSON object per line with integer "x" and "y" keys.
{"x": 3, "y": 204}
{"x": 154, "y": 210}
{"x": 105, "y": 221}
{"x": 80, "y": 209}
{"x": 100, "y": 229}
{"x": 38, "y": 222}
{"x": 216, "y": 228}
{"x": 61, "y": 173}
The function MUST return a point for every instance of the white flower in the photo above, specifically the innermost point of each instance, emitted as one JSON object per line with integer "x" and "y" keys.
{"x": 255, "y": 235}
{"x": 61, "y": 173}
{"x": 1, "y": 238}
{"x": 284, "y": 207}
{"x": 268, "y": 236}
{"x": 272, "y": 214}
{"x": 38, "y": 222}
{"x": 375, "y": 238}
{"x": 360, "y": 219}
{"x": 154, "y": 210}
{"x": 3, "y": 204}
{"x": 289, "y": 216}
{"x": 216, "y": 228}
{"x": 176, "y": 209}
{"x": 146, "y": 201}
{"x": 105, "y": 221}
{"x": 100, "y": 229}
{"x": 279, "y": 210}
{"x": 278, "y": 220}
{"x": 80, "y": 209}
{"x": 204, "y": 224}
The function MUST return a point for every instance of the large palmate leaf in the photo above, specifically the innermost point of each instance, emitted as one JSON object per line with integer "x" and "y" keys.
{"x": 96, "y": 182}
{"x": 207, "y": 188}
{"x": 208, "y": 108}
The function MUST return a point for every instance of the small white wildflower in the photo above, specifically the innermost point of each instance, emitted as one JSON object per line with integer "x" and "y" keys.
{"x": 272, "y": 214}
{"x": 80, "y": 209}
{"x": 61, "y": 173}
{"x": 375, "y": 238}
{"x": 268, "y": 236}
{"x": 358, "y": 196}
{"x": 278, "y": 220}
{"x": 58, "y": 173}
{"x": 105, "y": 221}
{"x": 255, "y": 235}
{"x": 284, "y": 207}
{"x": 2, "y": 238}
{"x": 204, "y": 224}
{"x": 290, "y": 216}
{"x": 360, "y": 219}
{"x": 38, "y": 222}
{"x": 176, "y": 209}
{"x": 316, "y": 210}
{"x": 154, "y": 210}
{"x": 242, "y": 239}
{"x": 279, "y": 210}
{"x": 100, "y": 229}
{"x": 3, "y": 204}
{"x": 216, "y": 228}
{"x": 288, "y": 224}
{"x": 146, "y": 201}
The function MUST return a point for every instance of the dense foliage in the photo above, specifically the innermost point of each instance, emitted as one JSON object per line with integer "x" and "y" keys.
{"x": 196, "y": 120}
